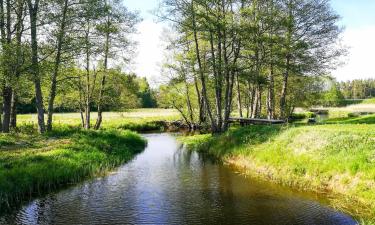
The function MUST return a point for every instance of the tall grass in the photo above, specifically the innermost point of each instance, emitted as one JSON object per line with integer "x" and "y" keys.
{"x": 31, "y": 164}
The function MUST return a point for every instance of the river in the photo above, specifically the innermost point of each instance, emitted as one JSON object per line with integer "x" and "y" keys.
{"x": 169, "y": 185}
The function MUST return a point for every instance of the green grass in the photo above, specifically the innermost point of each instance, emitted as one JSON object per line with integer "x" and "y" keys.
{"x": 352, "y": 119}
{"x": 33, "y": 164}
{"x": 338, "y": 159}
{"x": 140, "y": 120}
{"x": 131, "y": 119}
{"x": 369, "y": 101}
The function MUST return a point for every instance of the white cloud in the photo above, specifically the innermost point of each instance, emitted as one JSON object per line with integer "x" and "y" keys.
{"x": 361, "y": 60}
{"x": 150, "y": 50}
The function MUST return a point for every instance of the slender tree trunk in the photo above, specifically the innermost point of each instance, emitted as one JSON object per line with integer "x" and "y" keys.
{"x": 7, "y": 88}
{"x": 53, "y": 90}
{"x": 239, "y": 103}
{"x": 1, "y": 119}
{"x": 260, "y": 92}
{"x": 13, "y": 118}
{"x": 88, "y": 89}
{"x": 251, "y": 93}
{"x": 201, "y": 72}
{"x": 81, "y": 100}
{"x": 33, "y": 11}
{"x": 19, "y": 55}
{"x": 284, "y": 91}
{"x": 190, "y": 108}
{"x": 271, "y": 95}
{"x": 257, "y": 105}
{"x": 7, "y": 105}
{"x": 102, "y": 85}
{"x": 200, "y": 100}
{"x": 219, "y": 82}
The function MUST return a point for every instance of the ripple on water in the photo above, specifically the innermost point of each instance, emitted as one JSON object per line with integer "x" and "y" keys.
{"x": 167, "y": 185}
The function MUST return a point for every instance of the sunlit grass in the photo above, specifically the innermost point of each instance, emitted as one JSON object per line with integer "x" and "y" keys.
{"x": 336, "y": 158}
{"x": 135, "y": 119}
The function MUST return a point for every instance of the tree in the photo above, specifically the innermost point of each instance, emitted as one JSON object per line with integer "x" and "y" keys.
{"x": 117, "y": 25}
{"x": 262, "y": 47}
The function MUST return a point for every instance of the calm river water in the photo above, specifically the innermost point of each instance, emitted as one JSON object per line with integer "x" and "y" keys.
{"x": 168, "y": 185}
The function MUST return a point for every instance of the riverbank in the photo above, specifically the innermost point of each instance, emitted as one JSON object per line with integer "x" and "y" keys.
{"x": 31, "y": 164}
{"x": 337, "y": 159}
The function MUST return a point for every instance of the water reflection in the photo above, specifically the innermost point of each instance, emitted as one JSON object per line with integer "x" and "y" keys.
{"x": 168, "y": 185}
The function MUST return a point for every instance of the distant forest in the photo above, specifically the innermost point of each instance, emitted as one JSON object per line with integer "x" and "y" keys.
{"x": 358, "y": 89}
{"x": 124, "y": 91}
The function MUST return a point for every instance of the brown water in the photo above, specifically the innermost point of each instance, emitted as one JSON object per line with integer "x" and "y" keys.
{"x": 169, "y": 185}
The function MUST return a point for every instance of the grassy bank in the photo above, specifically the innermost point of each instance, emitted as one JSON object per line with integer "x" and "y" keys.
{"x": 32, "y": 164}
{"x": 338, "y": 159}
{"x": 140, "y": 120}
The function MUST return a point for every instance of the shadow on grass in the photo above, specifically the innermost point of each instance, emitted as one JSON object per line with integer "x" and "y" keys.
{"x": 29, "y": 173}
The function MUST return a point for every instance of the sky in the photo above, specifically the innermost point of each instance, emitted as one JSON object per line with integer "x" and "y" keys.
{"x": 358, "y": 19}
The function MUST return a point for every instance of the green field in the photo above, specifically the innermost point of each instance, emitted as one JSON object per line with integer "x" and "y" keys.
{"x": 336, "y": 159}
{"x": 135, "y": 119}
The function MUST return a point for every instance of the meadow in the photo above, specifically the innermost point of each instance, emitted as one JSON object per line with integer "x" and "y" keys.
{"x": 132, "y": 119}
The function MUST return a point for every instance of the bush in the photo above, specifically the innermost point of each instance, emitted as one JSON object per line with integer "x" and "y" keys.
{"x": 302, "y": 116}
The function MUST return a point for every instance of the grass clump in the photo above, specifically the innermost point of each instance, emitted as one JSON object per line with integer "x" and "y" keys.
{"x": 337, "y": 159}
{"x": 33, "y": 164}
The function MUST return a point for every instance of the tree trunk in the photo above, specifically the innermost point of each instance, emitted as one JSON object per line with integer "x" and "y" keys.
{"x": 13, "y": 114}
{"x": 271, "y": 95}
{"x": 81, "y": 100}
{"x": 88, "y": 89}
{"x": 201, "y": 72}
{"x": 257, "y": 104}
{"x": 19, "y": 55}
{"x": 7, "y": 88}
{"x": 200, "y": 100}
{"x": 239, "y": 103}
{"x": 284, "y": 91}
{"x": 190, "y": 108}
{"x": 251, "y": 93}
{"x": 102, "y": 85}
{"x": 52, "y": 95}
{"x": 33, "y": 11}
{"x": 7, "y": 105}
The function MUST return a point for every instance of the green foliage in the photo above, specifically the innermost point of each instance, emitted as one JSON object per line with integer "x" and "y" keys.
{"x": 333, "y": 97}
{"x": 358, "y": 89}
{"x": 30, "y": 165}
{"x": 301, "y": 116}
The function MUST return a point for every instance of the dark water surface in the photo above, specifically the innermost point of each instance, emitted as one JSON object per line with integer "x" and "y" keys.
{"x": 168, "y": 185}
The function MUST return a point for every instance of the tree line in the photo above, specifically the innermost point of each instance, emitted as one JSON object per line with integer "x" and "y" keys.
{"x": 256, "y": 58}
{"x": 63, "y": 47}
{"x": 358, "y": 89}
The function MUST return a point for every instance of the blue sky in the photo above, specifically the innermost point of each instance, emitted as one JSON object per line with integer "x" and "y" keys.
{"x": 355, "y": 13}
{"x": 358, "y": 18}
